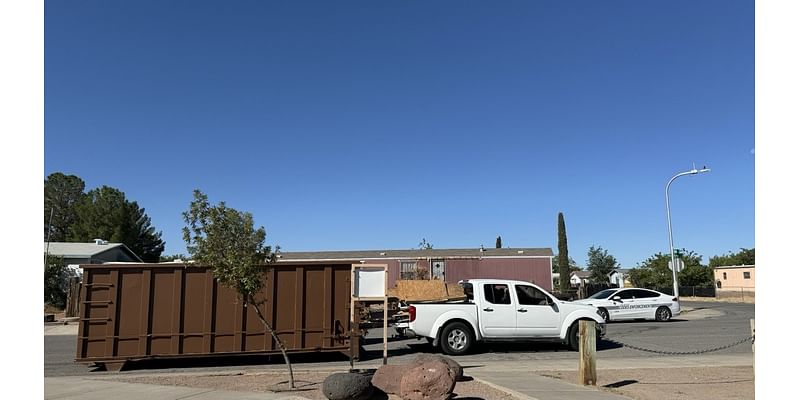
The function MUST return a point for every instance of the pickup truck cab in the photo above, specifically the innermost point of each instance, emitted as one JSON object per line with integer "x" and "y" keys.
{"x": 499, "y": 310}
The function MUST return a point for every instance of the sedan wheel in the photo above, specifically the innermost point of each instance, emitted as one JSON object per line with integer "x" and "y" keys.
{"x": 663, "y": 314}
{"x": 603, "y": 313}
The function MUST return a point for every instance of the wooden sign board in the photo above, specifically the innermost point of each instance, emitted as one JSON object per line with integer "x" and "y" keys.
{"x": 369, "y": 283}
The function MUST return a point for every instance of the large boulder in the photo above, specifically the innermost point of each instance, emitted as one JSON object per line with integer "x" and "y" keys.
{"x": 387, "y": 378}
{"x": 429, "y": 380}
{"x": 454, "y": 366}
{"x": 347, "y": 386}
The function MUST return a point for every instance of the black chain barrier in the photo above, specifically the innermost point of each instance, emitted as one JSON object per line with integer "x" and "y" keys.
{"x": 752, "y": 339}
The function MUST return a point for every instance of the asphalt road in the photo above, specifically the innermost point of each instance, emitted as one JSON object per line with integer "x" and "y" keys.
{"x": 710, "y": 325}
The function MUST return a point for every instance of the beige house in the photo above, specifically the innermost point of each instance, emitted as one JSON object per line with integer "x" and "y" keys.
{"x": 736, "y": 281}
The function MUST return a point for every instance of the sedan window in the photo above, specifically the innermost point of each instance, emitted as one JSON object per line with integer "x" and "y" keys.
{"x": 625, "y": 294}
{"x": 603, "y": 294}
{"x": 643, "y": 294}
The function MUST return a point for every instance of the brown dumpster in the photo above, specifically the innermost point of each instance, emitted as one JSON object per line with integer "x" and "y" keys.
{"x": 144, "y": 311}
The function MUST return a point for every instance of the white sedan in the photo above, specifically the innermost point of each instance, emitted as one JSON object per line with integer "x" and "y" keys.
{"x": 633, "y": 303}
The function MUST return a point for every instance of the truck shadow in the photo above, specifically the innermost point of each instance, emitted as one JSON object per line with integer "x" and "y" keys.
{"x": 535, "y": 347}
{"x": 229, "y": 361}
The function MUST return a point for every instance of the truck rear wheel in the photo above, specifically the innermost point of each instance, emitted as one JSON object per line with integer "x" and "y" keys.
{"x": 456, "y": 339}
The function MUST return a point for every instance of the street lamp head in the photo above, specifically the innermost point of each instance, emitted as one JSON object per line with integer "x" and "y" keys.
{"x": 695, "y": 171}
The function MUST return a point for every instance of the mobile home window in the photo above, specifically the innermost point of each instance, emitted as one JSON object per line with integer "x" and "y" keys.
{"x": 408, "y": 270}
{"x": 746, "y": 275}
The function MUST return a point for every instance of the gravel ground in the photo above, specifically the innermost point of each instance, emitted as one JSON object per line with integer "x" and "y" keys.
{"x": 718, "y": 383}
{"x": 308, "y": 384}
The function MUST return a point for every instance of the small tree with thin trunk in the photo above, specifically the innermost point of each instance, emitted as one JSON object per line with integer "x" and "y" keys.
{"x": 224, "y": 239}
{"x": 563, "y": 256}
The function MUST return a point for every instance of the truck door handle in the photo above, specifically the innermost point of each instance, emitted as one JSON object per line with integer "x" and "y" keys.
{"x": 522, "y": 310}
{"x": 488, "y": 309}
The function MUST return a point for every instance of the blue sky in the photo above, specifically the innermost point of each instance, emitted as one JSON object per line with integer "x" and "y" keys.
{"x": 369, "y": 125}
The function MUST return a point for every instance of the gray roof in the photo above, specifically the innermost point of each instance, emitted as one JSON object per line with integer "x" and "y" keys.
{"x": 84, "y": 250}
{"x": 400, "y": 254}
{"x": 582, "y": 274}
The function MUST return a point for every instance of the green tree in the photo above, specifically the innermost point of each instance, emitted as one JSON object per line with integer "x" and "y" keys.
{"x": 600, "y": 264}
{"x": 61, "y": 194}
{"x": 498, "y": 243}
{"x": 743, "y": 257}
{"x": 105, "y": 213}
{"x": 696, "y": 275}
{"x": 654, "y": 272}
{"x": 424, "y": 245}
{"x": 563, "y": 256}
{"x": 225, "y": 240}
{"x": 56, "y": 279}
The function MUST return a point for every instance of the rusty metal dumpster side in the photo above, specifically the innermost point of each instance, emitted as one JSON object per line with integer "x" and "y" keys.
{"x": 140, "y": 311}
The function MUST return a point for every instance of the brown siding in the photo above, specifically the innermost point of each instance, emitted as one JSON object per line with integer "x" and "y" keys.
{"x": 136, "y": 311}
{"x": 535, "y": 270}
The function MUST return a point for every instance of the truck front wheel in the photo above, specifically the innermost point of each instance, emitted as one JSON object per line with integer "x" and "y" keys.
{"x": 456, "y": 339}
{"x": 573, "y": 339}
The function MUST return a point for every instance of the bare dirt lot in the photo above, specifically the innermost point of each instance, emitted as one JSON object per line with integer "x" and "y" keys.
{"x": 723, "y": 383}
{"x": 308, "y": 384}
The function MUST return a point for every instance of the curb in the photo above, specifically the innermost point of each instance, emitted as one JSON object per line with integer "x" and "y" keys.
{"x": 505, "y": 389}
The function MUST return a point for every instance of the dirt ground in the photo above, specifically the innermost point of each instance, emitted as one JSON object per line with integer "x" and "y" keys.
{"x": 308, "y": 385}
{"x": 718, "y": 383}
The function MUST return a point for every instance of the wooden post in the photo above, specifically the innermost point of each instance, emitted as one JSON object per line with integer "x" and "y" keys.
{"x": 587, "y": 372}
{"x": 753, "y": 334}
{"x": 73, "y": 298}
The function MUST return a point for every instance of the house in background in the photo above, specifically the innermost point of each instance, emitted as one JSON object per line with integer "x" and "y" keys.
{"x": 450, "y": 265}
{"x": 620, "y": 277}
{"x": 97, "y": 252}
{"x": 735, "y": 281}
{"x": 579, "y": 278}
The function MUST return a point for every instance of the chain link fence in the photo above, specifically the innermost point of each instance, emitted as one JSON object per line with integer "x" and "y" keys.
{"x": 689, "y": 291}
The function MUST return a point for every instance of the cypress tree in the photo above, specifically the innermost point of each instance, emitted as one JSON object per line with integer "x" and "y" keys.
{"x": 563, "y": 256}
{"x": 498, "y": 244}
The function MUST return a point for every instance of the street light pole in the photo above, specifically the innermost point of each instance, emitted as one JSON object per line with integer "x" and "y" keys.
{"x": 693, "y": 171}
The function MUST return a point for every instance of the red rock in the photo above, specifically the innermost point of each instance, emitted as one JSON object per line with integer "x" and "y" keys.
{"x": 429, "y": 380}
{"x": 387, "y": 378}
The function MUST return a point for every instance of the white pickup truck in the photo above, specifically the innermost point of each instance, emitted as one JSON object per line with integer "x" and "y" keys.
{"x": 499, "y": 310}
